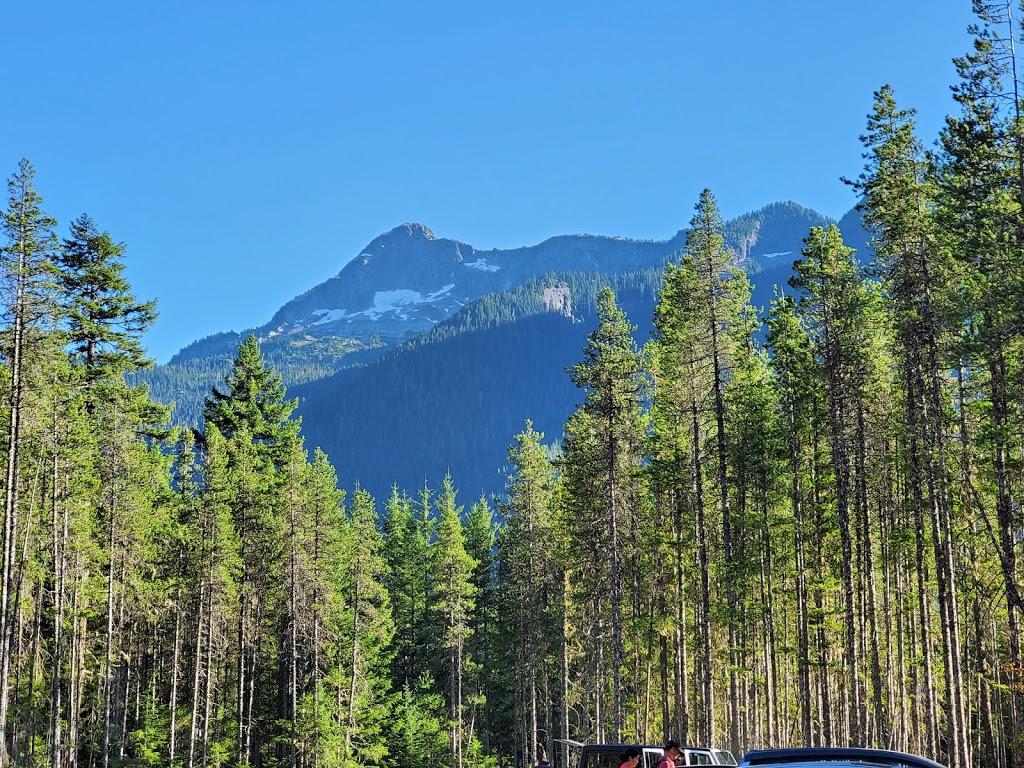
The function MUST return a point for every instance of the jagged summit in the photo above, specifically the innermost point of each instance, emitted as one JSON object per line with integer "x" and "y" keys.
{"x": 409, "y": 229}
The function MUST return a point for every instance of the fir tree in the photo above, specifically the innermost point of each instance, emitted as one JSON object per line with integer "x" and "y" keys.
{"x": 602, "y": 451}
{"x": 453, "y": 571}
{"x": 253, "y": 400}
{"x": 104, "y": 320}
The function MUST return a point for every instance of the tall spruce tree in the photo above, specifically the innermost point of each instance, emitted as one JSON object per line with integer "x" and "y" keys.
{"x": 481, "y": 529}
{"x": 530, "y": 584}
{"x": 603, "y": 447}
{"x": 798, "y": 382}
{"x": 253, "y": 399}
{"x": 369, "y": 640}
{"x": 980, "y": 200}
{"x": 834, "y": 302}
{"x": 26, "y": 276}
{"x": 898, "y": 201}
{"x": 104, "y": 321}
{"x": 455, "y": 598}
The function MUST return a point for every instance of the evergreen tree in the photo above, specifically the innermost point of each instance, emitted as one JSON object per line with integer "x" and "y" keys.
{"x": 898, "y": 204}
{"x": 406, "y": 551}
{"x": 980, "y": 199}
{"x": 837, "y": 308}
{"x": 602, "y": 448}
{"x": 26, "y": 276}
{"x": 798, "y": 383}
{"x": 480, "y": 658}
{"x": 253, "y": 400}
{"x": 370, "y": 637}
{"x": 453, "y": 571}
{"x": 104, "y": 320}
{"x": 530, "y": 587}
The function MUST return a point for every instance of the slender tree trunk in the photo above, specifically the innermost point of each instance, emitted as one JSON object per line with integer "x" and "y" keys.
{"x": 108, "y": 677}
{"x": 618, "y": 650}
{"x": 564, "y": 667}
{"x": 930, "y": 711}
{"x": 706, "y": 731}
{"x": 60, "y": 552}
{"x": 171, "y": 754}
{"x": 293, "y": 651}
{"x": 803, "y": 628}
{"x": 728, "y": 543}
{"x": 351, "y": 719}
{"x": 682, "y": 675}
{"x": 11, "y": 503}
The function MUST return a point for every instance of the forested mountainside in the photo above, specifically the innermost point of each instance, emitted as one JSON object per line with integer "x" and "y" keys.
{"x": 364, "y": 393}
{"x": 448, "y": 400}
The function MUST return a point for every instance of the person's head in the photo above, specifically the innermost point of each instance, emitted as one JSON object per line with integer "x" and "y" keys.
{"x": 672, "y": 749}
{"x": 630, "y": 757}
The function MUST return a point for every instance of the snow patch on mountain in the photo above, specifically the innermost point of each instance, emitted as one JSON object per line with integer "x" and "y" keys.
{"x": 329, "y": 315}
{"x": 438, "y": 294}
{"x": 775, "y": 255}
{"x": 482, "y": 265}
{"x": 396, "y": 301}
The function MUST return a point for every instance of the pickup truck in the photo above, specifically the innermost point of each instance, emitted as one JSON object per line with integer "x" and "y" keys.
{"x": 609, "y": 755}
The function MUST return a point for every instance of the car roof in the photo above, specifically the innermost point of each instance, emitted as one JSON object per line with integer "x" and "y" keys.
{"x": 833, "y": 757}
{"x": 640, "y": 746}
{"x": 620, "y": 746}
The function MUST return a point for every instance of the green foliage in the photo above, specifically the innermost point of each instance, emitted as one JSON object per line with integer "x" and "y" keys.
{"x": 253, "y": 402}
{"x": 104, "y": 320}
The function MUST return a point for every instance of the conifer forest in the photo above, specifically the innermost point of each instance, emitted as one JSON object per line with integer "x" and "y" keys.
{"x": 798, "y": 524}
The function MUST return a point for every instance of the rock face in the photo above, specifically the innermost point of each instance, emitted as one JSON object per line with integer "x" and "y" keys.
{"x": 557, "y": 299}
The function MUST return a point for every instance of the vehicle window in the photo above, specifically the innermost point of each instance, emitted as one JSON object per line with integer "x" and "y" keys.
{"x": 603, "y": 759}
{"x": 698, "y": 758}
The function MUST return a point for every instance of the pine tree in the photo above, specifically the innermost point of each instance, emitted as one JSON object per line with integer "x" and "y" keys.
{"x": 480, "y": 529}
{"x": 530, "y": 585}
{"x": 602, "y": 448}
{"x": 369, "y": 638}
{"x": 722, "y": 300}
{"x": 27, "y": 281}
{"x": 453, "y": 571}
{"x": 898, "y": 204}
{"x": 407, "y": 538}
{"x": 326, "y": 540}
{"x": 253, "y": 399}
{"x": 980, "y": 200}
{"x": 834, "y": 303}
{"x": 798, "y": 378}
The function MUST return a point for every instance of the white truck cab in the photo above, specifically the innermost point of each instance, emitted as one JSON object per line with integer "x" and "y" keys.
{"x": 609, "y": 755}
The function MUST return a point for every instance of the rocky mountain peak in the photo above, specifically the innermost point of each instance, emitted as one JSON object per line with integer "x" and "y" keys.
{"x": 412, "y": 229}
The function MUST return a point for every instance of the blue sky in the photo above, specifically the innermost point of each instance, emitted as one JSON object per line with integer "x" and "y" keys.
{"x": 246, "y": 150}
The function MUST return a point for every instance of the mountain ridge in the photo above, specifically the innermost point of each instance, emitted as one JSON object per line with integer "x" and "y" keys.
{"x": 407, "y": 279}
{"x": 441, "y": 349}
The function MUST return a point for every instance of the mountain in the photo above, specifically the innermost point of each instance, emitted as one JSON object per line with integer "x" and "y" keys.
{"x": 425, "y": 354}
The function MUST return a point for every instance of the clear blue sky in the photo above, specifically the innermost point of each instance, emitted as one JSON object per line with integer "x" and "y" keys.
{"x": 246, "y": 150}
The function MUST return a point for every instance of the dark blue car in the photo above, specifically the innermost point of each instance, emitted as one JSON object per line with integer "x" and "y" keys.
{"x": 835, "y": 757}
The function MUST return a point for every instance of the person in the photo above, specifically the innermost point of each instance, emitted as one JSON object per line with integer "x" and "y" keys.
{"x": 669, "y": 754}
{"x": 629, "y": 758}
